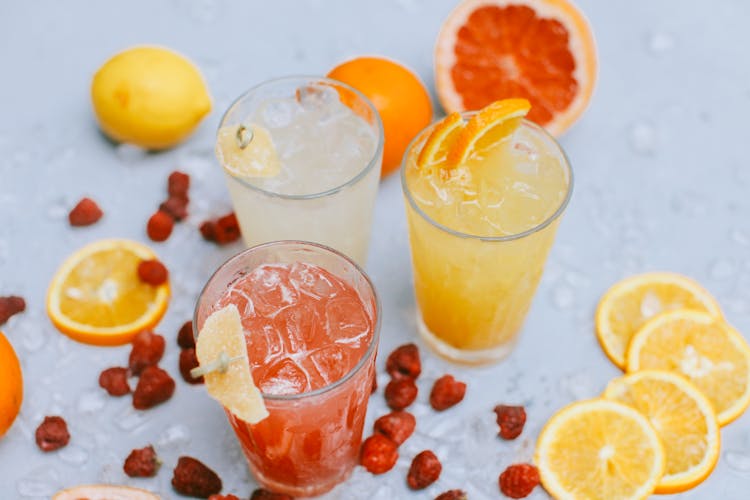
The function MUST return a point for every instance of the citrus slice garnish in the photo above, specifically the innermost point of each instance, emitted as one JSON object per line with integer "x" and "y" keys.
{"x": 599, "y": 449}
{"x": 247, "y": 151}
{"x": 487, "y": 127}
{"x": 104, "y": 492}
{"x": 541, "y": 50}
{"x": 683, "y": 418}
{"x": 96, "y": 296}
{"x": 221, "y": 350}
{"x": 441, "y": 138}
{"x": 701, "y": 347}
{"x": 626, "y": 306}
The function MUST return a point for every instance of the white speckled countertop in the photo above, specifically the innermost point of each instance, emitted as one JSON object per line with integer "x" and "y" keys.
{"x": 662, "y": 183}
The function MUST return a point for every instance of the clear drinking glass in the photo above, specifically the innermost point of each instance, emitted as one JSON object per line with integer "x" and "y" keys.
{"x": 473, "y": 291}
{"x": 329, "y": 140}
{"x": 310, "y": 441}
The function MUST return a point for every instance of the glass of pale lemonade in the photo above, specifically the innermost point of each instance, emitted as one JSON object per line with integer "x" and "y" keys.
{"x": 484, "y": 195}
{"x": 302, "y": 159}
{"x": 307, "y": 322}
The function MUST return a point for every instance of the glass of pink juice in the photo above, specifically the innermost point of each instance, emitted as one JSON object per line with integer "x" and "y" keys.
{"x": 311, "y": 320}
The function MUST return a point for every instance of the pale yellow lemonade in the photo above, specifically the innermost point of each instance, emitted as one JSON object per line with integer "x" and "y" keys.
{"x": 481, "y": 240}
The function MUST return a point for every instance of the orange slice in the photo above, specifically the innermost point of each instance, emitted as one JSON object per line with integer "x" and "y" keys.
{"x": 702, "y": 348}
{"x": 682, "y": 417}
{"x": 633, "y": 301}
{"x": 490, "y": 125}
{"x": 541, "y": 50}
{"x": 599, "y": 450}
{"x": 221, "y": 350}
{"x": 104, "y": 492}
{"x": 96, "y": 296}
{"x": 441, "y": 139}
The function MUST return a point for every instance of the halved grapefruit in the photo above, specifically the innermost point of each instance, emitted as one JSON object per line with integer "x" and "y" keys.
{"x": 540, "y": 50}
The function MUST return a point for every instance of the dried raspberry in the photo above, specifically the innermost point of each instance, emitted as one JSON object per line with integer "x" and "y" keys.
{"x": 223, "y": 497}
{"x": 192, "y": 478}
{"x": 142, "y": 463}
{"x": 176, "y": 207}
{"x": 396, "y": 426}
{"x": 152, "y": 272}
{"x": 261, "y": 494}
{"x": 178, "y": 183}
{"x": 185, "y": 337}
{"x": 148, "y": 348}
{"x": 188, "y": 361}
{"x": 425, "y": 469}
{"x": 446, "y": 392}
{"x": 452, "y": 495}
{"x": 519, "y": 480}
{"x": 227, "y": 229}
{"x": 379, "y": 454}
{"x": 160, "y": 226}
{"x": 85, "y": 213}
{"x": 154, "y": 387}
{"x": 400, "y": 393}
{"x": 9, "y": 306}
{"x": 404, "y": 362}
{"x": 115, "y": 381}
{"x": 52, "y": 434}
{"x": 208, "y": 230}
{"x": 511, "y": 420}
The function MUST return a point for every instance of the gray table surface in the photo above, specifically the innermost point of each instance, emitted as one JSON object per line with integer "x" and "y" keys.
{"x": 662, "y": 184}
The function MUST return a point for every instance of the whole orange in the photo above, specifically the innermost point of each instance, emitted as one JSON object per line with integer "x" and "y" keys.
{"x": 11, "y": 385}
{"x": 399, "y": 96}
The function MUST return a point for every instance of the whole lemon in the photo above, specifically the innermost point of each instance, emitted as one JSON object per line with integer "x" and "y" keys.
{"x": 149, "y": 96}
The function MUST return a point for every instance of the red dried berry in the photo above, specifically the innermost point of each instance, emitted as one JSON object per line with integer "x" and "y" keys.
{"x": 519, "y": 480}
{"x": 142, "y": 463}
{"x": 52, "y": 434}
{"x": 154, "y": 387}
{"x": 261, "y": 494}
{"x": 9, "y": 306}
{"x": 400, "y": 393}
{"x": 511, "y": 420}
{"x": 192, "y": 478}
{"x": 160, "y": 226}
{"x": 188, "y": 361}
{"x": 446, "y": 392}
{"x": 152, "y": 272}
{"x": 115, "y": 381}
{"x": 178, "y": 183}
{"x": 404, "y": 362}
{"x": 452, "y": 495}
{"x": 85, "y": 213}
{"x": 379, "y": 454}
{"x": 396, "y": 426}
{"x": 425, "y": 469}
{"x": 223, "y": 497}
{"x": 176, "y": 207}
{"x": 148, "y": 348}
{"x": 227, "y": 229}
{"x": 208, "y": 230}
{"x": 185, "y": 337}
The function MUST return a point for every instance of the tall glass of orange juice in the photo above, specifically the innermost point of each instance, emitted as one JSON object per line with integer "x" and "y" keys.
{"x": 481, "y": 220}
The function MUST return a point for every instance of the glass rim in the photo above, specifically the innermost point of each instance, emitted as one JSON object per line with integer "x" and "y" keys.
{"x": 317, "y": 247}
{"x": 288, "y": 79}
{"x": 511, "y": 237}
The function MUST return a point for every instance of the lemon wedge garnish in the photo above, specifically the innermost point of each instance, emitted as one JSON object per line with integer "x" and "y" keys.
{"x": 247, "y": 151}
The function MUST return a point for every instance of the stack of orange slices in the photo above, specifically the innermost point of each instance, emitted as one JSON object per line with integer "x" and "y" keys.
{"x": 688, "y": 374}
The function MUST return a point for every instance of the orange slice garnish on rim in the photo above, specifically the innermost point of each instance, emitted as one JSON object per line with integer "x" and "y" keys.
{"x": 441, "y": 138}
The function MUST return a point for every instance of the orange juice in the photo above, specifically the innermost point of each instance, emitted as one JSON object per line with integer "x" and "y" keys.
{"x": 480, "y": 233}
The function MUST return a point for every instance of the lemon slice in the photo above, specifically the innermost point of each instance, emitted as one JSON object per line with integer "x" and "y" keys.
{"x": 247, "y": 151}
{"x": 599, "y": 450}
{"x": 442, "y": 137}
{"x": 703, "y": 348}
{"x": 96, "y": 296}
{"x": 104, "y": 492}
{"x": 683, "y": 418}
{"x": 487, "y": 127}
{"x": 222, "y": 353}
{"x": 633, "y": 301}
